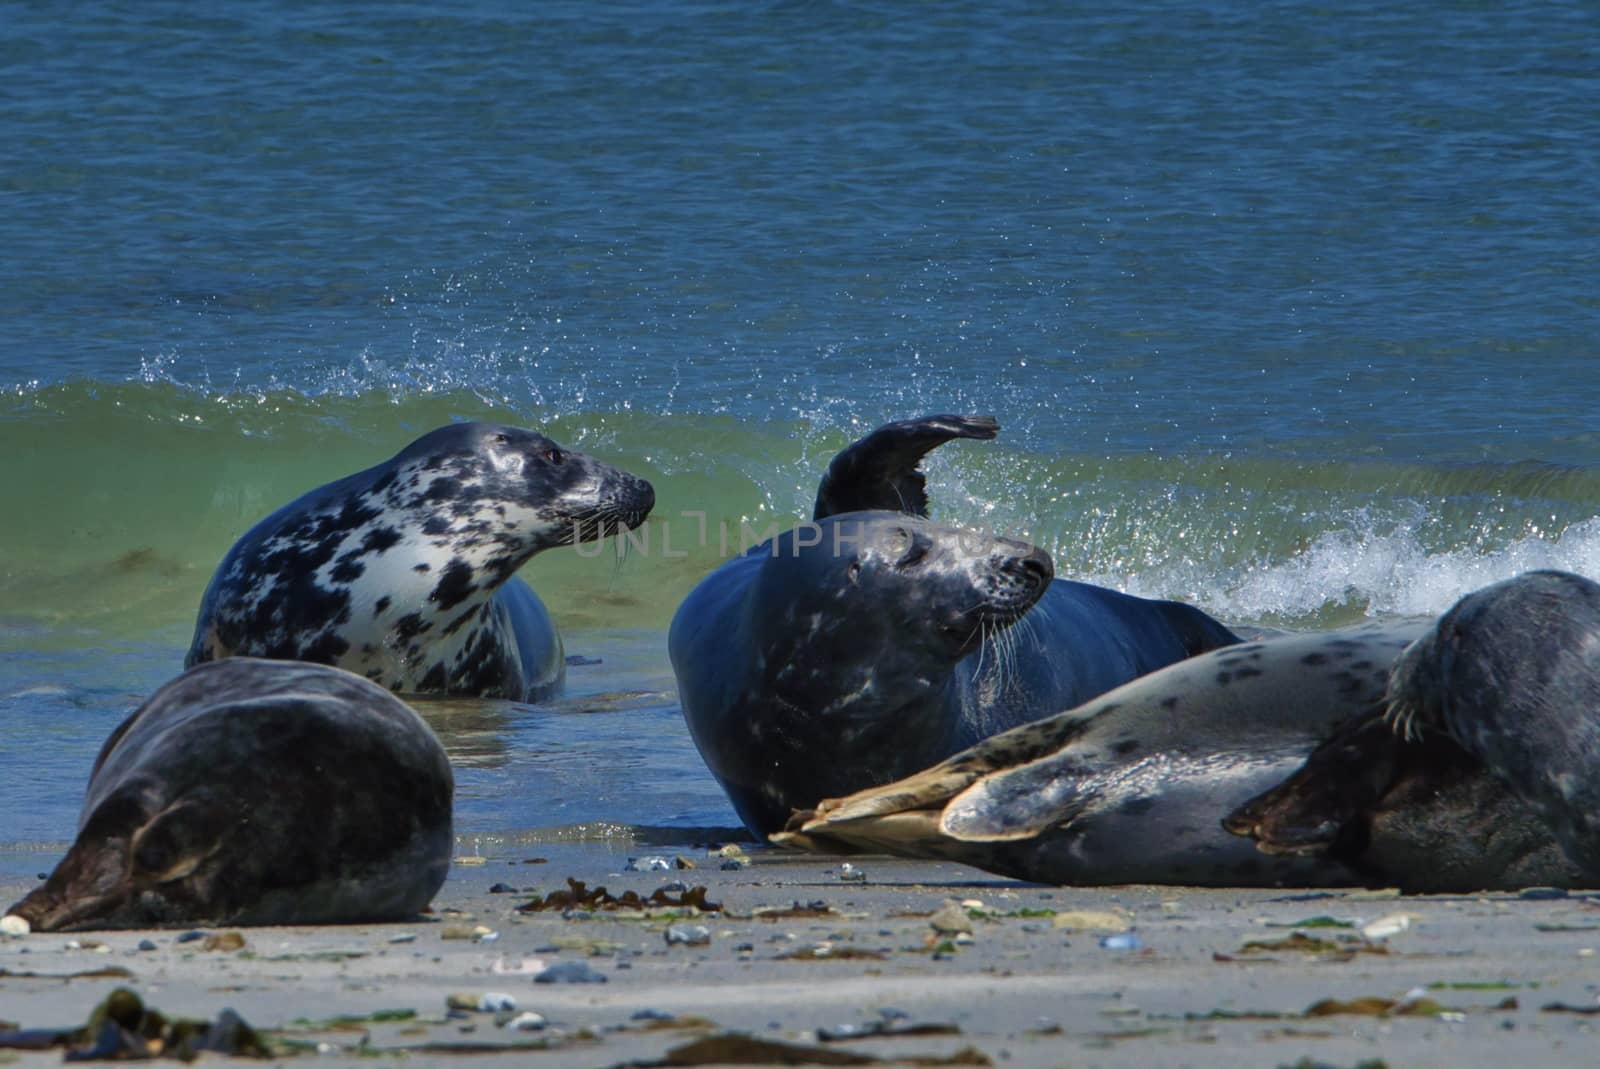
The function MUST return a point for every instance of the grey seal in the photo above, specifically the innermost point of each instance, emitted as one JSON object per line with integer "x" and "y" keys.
{"x": 872, "y": 642}
{"x": 405, "y": 573}
{"x": 1133, "y": 786}
{"x": 249, "y": 791}
{"x": 1479, "y": 770}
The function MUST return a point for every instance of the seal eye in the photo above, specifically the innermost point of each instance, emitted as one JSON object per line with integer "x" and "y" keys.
{"x": 914, "y": 556}
{"x": 502, "y": 439}
{"x": 554, "y": 455}
{"x": 853, "y": 572}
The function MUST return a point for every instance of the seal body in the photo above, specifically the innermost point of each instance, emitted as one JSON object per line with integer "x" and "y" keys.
{"x": 868, "y": 645}
{"x": 1132, "y": 786}
{"x": 257, "y": 792}
{"x": 405, "y": 573}
{"x": 1480, "y": 771}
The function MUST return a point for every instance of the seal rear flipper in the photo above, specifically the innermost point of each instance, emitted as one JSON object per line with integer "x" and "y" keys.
{"x": 1320, "y": 809}
{"x": 913, "y": 833}
{"x": 880, "y": 470}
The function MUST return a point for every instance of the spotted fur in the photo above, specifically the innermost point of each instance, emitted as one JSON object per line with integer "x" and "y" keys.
{"x": 1133, "y": 786}
{"x": 405, "y": 573}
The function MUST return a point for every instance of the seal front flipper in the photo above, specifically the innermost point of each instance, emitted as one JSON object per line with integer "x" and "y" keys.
{"x": 880, "y": 470}
{"x": 1319, "y": 809}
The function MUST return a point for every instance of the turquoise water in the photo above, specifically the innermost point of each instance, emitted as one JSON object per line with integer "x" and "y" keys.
{"x": 1287, "y": 310}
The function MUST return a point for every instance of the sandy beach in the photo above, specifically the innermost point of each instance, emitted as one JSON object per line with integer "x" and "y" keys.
{"x": 948, "y": 964}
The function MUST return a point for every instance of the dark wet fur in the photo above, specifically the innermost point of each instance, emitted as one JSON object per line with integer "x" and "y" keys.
{"x": 1457, "y": 787}
{"x": 257, "y": 792}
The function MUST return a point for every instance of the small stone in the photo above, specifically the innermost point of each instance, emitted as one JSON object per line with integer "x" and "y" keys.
{"x": 1538, "y": 894}
{"x": 502, "y": 889}
{"x": 693, "y": 935}
{"x": 647, "y": 864}
{"x": 850, "y": 874}
{"x": 404, "y": 937}
{"x": 673, "y": 887}
{"x": 683, "y": 862}
{"x": 731, "y": 850}
{"x": 527, "y": 1021}
{"x": 484, "y": 934}
{"x": 570, "y": 972}
{"x": 734, "y": 864}
{"x": 964, "y": 939}
{"x": 488, "y": 1002}
{"x": 652, "y": 1015}
{"x": 950, "y": 920}
{"x": 14, "y": 926}
{"x": 190, "y": 937}
{"x": 145, "y": 944}
{"x": 226, "y": 942}
{"x": 1122, "y": 941}
{"x": 455, "y": 931}
{"x": 1089, "y": 920}
{"x": 1384, "y": 927}
{"x": 474, "y": 861}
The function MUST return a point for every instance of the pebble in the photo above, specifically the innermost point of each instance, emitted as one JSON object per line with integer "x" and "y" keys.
{"x": 14, "y": 926}
{"x": 683, "y": 862}
{"x": 654, "y": 863}
{"x": 1122, "y": 941}
{"x": 502, "y": 889}
{"x": 1537, "y": 894}
{"x": 850, "y": 874}
{"x": 570, "y": 972}
{"x": 734, "y": 864}
{"x": 404, "y": 937}
{"x": 673, "y": 887}
{"x": 488, "y": 1002}
{"x": 145, "y": 944}
{"x": 951, "y": 920}
{"x": 652, "y": 1015}
{"x": 693, "y": 935}
{"x": 527, "y": 1021}
{"x": 190, "y": 936}
{"x": 1384, "y": 927}
{"x": 1089, "y": 920}
{"x": 731, "y": 850}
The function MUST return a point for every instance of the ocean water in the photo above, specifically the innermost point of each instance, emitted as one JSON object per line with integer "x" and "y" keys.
{"x": 1287, "y": 310}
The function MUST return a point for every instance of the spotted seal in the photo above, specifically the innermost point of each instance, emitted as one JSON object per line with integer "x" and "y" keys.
{"x": 872, "y": 642}
{"x": 249, "y": 791}
{"x": 405, "y": 573}
{"x": 1480, "y": 770}
{"x": 1132, "y": 786}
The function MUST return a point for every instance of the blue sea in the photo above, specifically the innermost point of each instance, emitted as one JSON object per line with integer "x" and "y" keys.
{"x": 1289, "y": 310}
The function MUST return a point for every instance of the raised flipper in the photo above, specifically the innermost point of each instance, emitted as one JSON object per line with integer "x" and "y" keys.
{"x": 880, "y": 470}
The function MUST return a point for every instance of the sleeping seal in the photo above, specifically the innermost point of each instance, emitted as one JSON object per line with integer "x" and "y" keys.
{"x": 256, "y": 792}
{"x": 405, "y": 573}
{"x": 1132, "y": 786}
{"x": 1483, "y": 770}
{"x": 873, "y": 642}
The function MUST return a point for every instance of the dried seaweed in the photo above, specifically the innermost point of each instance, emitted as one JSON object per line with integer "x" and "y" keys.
{"x": 122, "y": 1028}
{"x": 579, "y": 896}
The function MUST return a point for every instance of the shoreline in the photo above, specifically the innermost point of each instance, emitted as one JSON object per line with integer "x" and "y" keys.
{"x": 1021, "y": 989}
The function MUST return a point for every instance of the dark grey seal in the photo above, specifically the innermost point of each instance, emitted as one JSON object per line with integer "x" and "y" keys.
{"x": 1482, "y": 771}
{"x": 256, "y": 792}
{"x": 870, "y": 643}
{"x": 405, "y": 573}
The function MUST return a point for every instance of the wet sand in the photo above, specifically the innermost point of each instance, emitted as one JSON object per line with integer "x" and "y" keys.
{"x": 1468, "y": 981}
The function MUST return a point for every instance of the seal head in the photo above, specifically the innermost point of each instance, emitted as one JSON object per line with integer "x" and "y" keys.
{"x": 405, "y": 573}
{"x": 257, "y": 792}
